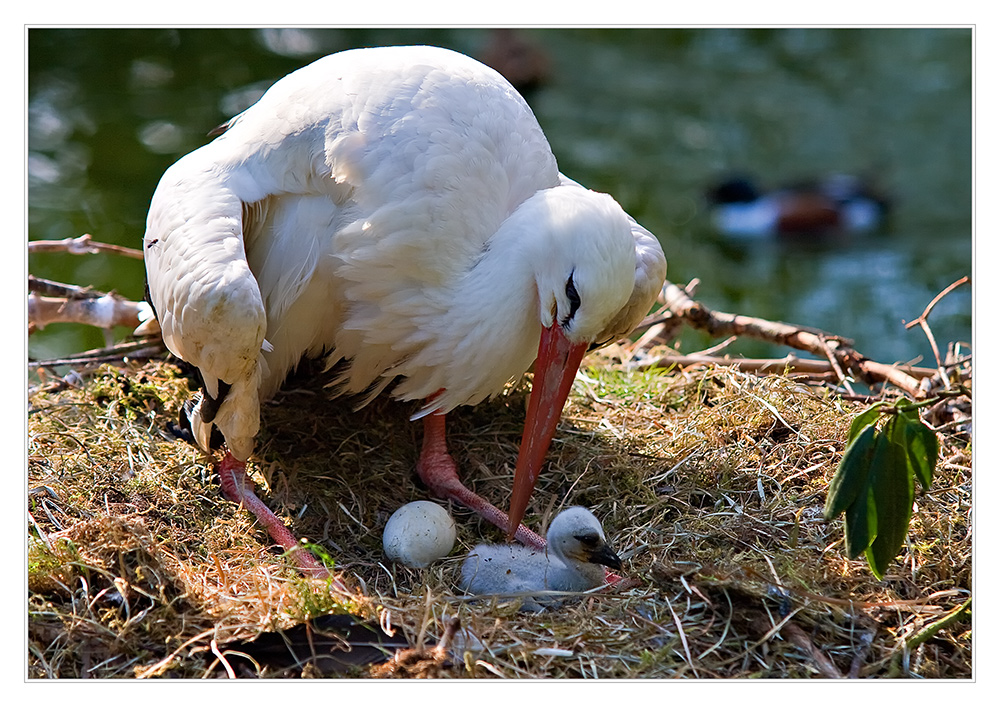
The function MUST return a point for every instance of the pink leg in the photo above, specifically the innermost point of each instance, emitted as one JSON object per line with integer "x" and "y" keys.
{"x": 439, "y": 472}
{"x": 619, "y": 582}
{"x": 236, "y": 486}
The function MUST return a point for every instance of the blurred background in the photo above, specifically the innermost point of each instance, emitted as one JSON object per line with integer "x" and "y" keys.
{"x": 654, "y": 117}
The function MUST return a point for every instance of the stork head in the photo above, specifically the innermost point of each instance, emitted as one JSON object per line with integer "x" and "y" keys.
{"x": 585, "y": 262}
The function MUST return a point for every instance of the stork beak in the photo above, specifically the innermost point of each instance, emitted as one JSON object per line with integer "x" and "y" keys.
{"x": 556, "y": 366}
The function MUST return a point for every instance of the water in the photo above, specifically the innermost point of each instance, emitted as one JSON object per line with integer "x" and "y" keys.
{"x": 650, "y": 116}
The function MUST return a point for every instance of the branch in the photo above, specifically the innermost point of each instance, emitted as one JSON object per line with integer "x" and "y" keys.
{"x": 51, "y": 288}
{"x": 962, "y": 612}
{"x": 81, "y": 245}
{"x": 149, "y": 347}
{"x": 938, "y": 298}
{"x": 922, "y": 321}
{"x": 794, "y": 633}
{"x": 789, "y": 364}
{"x": 838, "y": 350}
{"x": 104, "y": 311}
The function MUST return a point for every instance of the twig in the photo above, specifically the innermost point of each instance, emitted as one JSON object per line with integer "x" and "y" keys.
{"x": 711, "y": 350}
{"x": 82, "y": 245}
{"x": 899, "y": 661}
{"x": 143, "y": 348}
{"x": 661, "y": 325}
{"x": 162, "y": 665}
{"x": 938, "y": 298}
{"x": 794, "y": 633}
{"x": 789, "y": 364}
{"x": 922, "y": 321}
{"x": 440, "y": 651}
{"x": 828, "y": 351}
{"x": 959, "y": 613}
{"x": 101, "y": 310}
{"x": 222, "y": 659}
{"x": 682, "y": 307}
{"x": 51, "y": 288}
{"x": 859, "y": 658}
{"x": 683, "y": 637}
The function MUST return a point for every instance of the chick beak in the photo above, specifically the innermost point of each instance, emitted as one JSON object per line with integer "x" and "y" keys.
{"x": 604, "y": 555}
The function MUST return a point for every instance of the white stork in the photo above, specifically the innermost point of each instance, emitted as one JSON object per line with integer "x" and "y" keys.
{"x": 398, "y": 209}
{"x": 573, "y": 561}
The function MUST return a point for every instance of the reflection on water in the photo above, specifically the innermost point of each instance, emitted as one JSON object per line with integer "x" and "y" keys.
{"x": 651, "y": 116}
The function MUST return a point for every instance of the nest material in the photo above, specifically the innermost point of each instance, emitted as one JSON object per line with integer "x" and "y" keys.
{"x": 709, "y": 482}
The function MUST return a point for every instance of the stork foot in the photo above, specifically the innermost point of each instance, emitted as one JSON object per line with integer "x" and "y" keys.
{"x": 438, "y": 470}
{"x": 237, "y": 487}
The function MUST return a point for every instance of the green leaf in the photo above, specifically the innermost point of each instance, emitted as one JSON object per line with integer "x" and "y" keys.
{"x": 863, "y": 419}
{"x": 852, "y": 473}
{"x": 919, "y": 442}
{"x": 892, "y": 492}
{"x": 860, "y": 522}
{"x": 921, "y": 448}
{"x": 861, "y": 517}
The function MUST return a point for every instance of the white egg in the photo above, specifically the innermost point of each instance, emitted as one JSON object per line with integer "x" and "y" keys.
{"x": 418, "y": 534}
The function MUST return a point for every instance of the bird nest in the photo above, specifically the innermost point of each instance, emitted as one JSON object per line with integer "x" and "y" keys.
{"x": 710, "y": 484}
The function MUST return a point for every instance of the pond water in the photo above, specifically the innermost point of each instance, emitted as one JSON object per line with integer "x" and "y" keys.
{"x": 652, "y": 116}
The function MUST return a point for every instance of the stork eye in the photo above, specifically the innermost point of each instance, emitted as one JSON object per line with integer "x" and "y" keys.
{"x": 574, "y": 300}
{"x": 589, "y": 539}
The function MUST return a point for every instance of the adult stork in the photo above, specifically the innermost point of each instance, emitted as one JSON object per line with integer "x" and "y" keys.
{"x": 397, "y": 209}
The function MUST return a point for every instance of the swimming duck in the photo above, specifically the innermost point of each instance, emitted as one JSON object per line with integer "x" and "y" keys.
{"x": 838, "y": 203}
{"x": 574, "y": 561}
{"x": 518, "y": 59}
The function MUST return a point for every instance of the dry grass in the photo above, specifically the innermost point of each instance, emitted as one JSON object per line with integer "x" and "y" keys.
{"x": 709, "y": 482}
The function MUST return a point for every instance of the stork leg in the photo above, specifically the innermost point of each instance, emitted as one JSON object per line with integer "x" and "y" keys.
{"x": 238, "y": 487}
{"x": 438, "y": 470}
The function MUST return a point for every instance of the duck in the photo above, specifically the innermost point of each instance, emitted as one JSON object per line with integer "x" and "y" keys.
{"x": 519, "y": 60}
{"x": 574, "y": 559}
{"x": 830, "y": 205}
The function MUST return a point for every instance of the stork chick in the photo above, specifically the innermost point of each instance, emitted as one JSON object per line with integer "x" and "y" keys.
{"x": 572, "y": 561}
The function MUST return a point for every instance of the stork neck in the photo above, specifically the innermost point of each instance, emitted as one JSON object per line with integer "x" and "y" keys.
{"x": 504, "y": 279}
{"x": 487, "y": 322}
{"x": 507, "y": 271}
{"x": 567, "y": 573}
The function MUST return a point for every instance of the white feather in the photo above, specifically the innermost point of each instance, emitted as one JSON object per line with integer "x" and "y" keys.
{"x": 398, "y": 208}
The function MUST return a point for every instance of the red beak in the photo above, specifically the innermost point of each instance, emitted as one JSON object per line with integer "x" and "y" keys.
{"x": 556, "y": 366}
